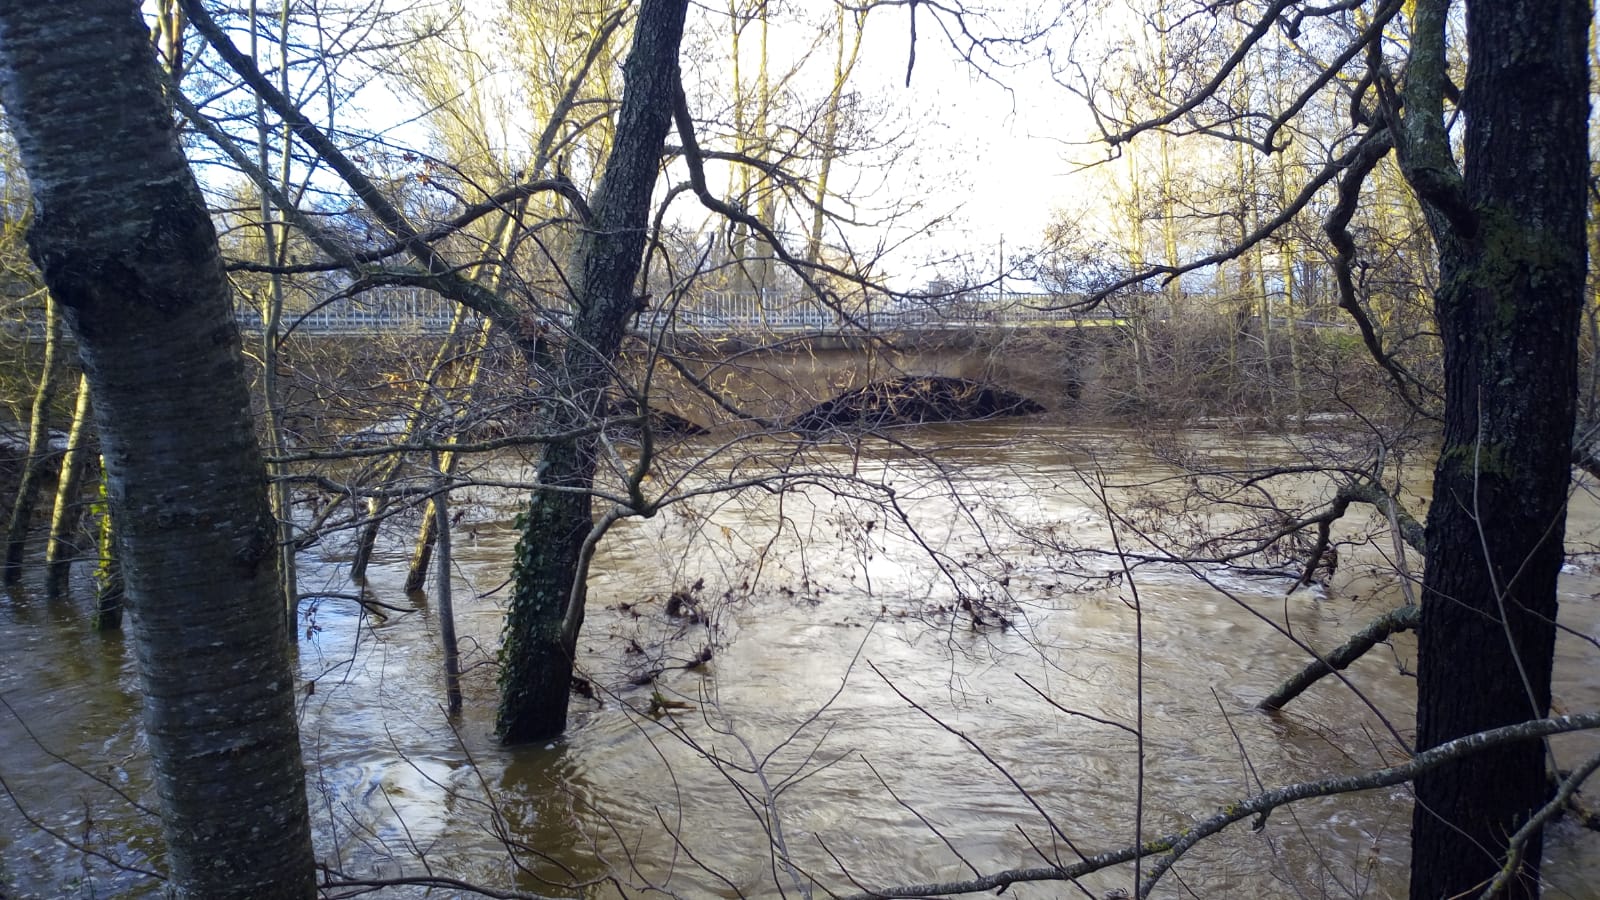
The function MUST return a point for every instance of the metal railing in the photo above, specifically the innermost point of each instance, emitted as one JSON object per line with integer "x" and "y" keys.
{"x": 738, "y": 312}
{"x": 397, "y": 312}
{"x": 406, "y": 311}
{"x": 412, "y": 312}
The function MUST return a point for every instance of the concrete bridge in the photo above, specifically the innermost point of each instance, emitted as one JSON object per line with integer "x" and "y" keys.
{"x": 783, "y": 379}
{"x": 777, "y": 356}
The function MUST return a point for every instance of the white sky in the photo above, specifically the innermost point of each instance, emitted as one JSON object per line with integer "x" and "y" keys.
{"x": 992, "y": 155}
{"x": 1002, "y": 151}
{"x": 992, "y": 159}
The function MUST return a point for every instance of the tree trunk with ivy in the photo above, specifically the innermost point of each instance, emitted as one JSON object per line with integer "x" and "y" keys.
{"x": 546, "y": 610}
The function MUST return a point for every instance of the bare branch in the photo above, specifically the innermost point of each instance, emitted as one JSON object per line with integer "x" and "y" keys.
{"x": 1173, "y": 846}
{"x": 1395, "y": 621}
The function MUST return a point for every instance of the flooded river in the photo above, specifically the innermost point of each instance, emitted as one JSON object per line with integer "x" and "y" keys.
{"x": 803, "y": 671}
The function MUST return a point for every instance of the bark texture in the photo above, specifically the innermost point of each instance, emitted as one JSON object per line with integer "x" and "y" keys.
{"x": 122, "y": 237}
{"x": 1511, "y": 239}
{"x": 547, "y": 603}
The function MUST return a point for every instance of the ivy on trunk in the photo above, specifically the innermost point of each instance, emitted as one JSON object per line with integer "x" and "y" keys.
{"x": 546, "y": 611}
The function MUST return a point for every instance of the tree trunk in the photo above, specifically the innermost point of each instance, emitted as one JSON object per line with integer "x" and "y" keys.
{"x": 444, "y": 601}
{"x": 428, "y": 530}
{"x": 546, "y": 605}
{"x": 62, "y": 546}
{"x": 122, "y": 237}
{"x": 449, "y": 425}
{"x": 33, "y": 468}
{"x": 377, "y": 508}
{"x": 1512, "y": 264}
{"x": 828, "y": 147}
{"x": 108, "y": 590}
{"x": 1286, "y": 271}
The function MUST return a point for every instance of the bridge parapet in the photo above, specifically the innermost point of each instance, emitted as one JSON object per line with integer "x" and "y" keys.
{"x": 401, "y": 311}
{"x": 765, "y": 312}
{"x": 714, "y": 313}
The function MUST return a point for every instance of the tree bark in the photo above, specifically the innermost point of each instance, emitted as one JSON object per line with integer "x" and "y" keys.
{"x": 1510, "y": 231}
{"x": 122, "y": 237}
{"x": 39, "y": 453}
{"x": 444, "y": 600}
{"x": 547, "y": 603}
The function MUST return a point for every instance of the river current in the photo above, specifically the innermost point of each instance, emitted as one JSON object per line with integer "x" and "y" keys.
{"x": 931, "y": 668}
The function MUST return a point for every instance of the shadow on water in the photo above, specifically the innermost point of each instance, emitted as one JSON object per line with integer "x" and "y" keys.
{"x": 76, "y": 820}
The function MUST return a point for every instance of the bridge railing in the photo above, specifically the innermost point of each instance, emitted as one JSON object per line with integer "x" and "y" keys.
{"x": 405, "y": 311}
{"x": 727, "y": 311}
{"x": 415, "y": 312}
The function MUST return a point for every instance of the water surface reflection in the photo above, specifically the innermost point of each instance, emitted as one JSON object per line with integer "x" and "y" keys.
{"x": 849, "y": 711}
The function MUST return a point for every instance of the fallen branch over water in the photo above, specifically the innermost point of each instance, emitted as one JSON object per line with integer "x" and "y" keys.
{"x": 1166, "y": 851}
{"x": 1395, "y": 621}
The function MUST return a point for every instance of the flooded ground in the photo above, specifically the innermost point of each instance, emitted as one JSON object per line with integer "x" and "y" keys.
{"x": 800, "y": 676}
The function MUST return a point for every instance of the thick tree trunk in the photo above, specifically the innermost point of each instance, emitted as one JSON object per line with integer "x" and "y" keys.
{"x": 537, "y": 658}
{"x": 546, "y": 605}
{"x": 123, "y": 239}
{"x": 39, "y": 453}
{"x": 1512, "y": 270}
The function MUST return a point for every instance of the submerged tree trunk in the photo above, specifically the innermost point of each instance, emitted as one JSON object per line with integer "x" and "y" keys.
{"x": 123, "y": 239}
{"x": 444, "y": 601}
{"x": 377, "y": 509}
{"x": 39, "y": 453}
{"x": 547, "y": 602}
{"x": 108, "y": 591}
{"x": 1510, "y": 231}
{"x": 62, "y": 546}
{"x": 428, "y": 530}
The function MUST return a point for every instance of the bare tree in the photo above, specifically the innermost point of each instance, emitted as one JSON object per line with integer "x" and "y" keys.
{"x": 1509, "y": 234}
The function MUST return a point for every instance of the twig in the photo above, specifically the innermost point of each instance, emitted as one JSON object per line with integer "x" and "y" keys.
{"x": 1519, "y": 841}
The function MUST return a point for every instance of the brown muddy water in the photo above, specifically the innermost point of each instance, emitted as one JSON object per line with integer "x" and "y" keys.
{"x": 848, "y": 712}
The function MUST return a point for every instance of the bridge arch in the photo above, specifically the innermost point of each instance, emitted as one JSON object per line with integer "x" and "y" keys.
{"x": 782, "y": 381}
{"x": 913, "y": 400}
